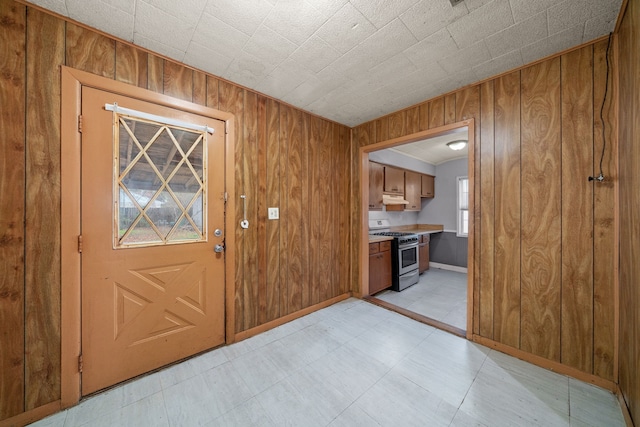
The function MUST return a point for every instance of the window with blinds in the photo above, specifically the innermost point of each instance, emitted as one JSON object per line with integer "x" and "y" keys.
{"x": 463, "y": 206}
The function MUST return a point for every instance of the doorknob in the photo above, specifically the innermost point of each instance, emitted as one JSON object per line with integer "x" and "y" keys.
{"x": 218, "y": 249}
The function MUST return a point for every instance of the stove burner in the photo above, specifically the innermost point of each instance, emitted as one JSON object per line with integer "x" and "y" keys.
{"x": 393, "y": 234}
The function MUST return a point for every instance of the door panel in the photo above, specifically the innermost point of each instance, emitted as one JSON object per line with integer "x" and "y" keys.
{"x": 152, "y": 285}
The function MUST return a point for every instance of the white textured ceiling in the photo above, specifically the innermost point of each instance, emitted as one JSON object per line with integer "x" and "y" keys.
{"x": 349, "y": 60}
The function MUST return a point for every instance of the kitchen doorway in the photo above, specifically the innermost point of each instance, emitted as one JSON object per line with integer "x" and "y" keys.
{"x": 442, "y": 296}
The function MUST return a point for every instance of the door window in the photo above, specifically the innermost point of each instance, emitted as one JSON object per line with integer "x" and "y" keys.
{"x": 160, "y": 185}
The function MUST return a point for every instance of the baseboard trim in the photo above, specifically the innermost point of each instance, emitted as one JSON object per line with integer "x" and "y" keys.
{"x": 623, "y": 407}
{"x": 546, "y": 363}
{"x": 417, "y": 317}
{"x": 448, "y": 267}
{"x": 289, "y": 317}
{"x": 33, "y": 415}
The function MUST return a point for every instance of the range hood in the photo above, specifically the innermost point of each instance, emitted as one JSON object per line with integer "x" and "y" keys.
{"x": 388, "y": 199}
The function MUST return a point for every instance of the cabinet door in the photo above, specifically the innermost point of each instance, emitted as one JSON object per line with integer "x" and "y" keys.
{"x": 385, "y": 270}
{"x": 376, "y": 181}
{"x": 428, "y": 186}
{"x": 412, "y": 188}
{"x": 393, "y": 180}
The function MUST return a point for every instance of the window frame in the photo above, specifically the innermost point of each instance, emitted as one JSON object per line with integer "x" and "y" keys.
{"x": 460, "y": 210}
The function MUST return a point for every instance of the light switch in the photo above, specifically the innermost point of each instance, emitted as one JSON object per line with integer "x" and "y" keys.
{"x": 274, "y": 213}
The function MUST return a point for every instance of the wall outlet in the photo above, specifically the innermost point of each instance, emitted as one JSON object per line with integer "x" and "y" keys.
{"x": 274, "y": 213}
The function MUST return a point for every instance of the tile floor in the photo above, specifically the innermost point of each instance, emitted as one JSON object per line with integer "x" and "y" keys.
{"x": 351, "y": 364}
{"x": 440, "y": 294}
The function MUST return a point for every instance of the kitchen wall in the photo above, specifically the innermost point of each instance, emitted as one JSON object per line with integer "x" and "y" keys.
{"x": 284, "y": 157}
{"x": 442, "y": 209}
{"x": 629, "y": 72}
{"x": 446, "y": 247}
{"x": 544, "y": 236}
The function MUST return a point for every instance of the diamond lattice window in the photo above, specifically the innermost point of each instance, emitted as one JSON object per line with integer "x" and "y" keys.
{"x": 160, "y": 183}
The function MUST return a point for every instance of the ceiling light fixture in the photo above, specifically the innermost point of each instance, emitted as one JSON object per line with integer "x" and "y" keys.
{"x": 457, "y": 145}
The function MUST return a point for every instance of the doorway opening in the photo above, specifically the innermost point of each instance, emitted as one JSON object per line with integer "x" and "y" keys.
{"x": 442, "y": 294}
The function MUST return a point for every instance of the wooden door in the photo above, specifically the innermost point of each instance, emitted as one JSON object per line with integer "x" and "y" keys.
{"x": 152, "y": 196}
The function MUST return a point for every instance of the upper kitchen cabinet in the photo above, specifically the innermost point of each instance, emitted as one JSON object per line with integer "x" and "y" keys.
{"x": 393, "y": 180}
{"x": 376, "y": 181}
{"x": 413, "y": 183}
{"x": 428, "y": 186}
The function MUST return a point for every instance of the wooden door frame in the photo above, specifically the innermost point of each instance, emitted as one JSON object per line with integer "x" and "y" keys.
{"x": 364, "y": 205}
{"x": 70, "y": 181}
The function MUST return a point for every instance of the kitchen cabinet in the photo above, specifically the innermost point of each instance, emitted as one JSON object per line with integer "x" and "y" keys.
{"x": 379, "y": 266}
{"x": 376, "y": 181}
{"x": 423, "y": 253}
{"x": 393, "y": 180}
{"x": 428, "y": 186}
{"x": 412, "y": 190}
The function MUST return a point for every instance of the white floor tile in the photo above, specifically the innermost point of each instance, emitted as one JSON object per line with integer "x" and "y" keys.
{"x": 351, "y": 364}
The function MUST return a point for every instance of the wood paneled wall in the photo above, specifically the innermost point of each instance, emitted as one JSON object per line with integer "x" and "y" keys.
{"x": 629, "y": 116}
{"x": 544, "y": 235}
{"x": 285, "y": 158}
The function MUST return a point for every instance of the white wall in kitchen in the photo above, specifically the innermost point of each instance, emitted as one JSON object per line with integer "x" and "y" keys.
{"x": 442, "y": 208}
{"x": 393, "y": 158}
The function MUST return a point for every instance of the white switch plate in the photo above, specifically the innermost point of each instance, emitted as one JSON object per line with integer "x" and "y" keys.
{"x": 274, "y": 213}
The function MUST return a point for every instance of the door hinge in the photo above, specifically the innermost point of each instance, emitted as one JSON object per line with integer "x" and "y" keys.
{"x": 80, "y": 123}
{"x": 80, "y": 365}
{"x": 80, "y": 243}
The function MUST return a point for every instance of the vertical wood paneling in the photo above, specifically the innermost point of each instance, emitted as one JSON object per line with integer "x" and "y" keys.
{"x": 131, "y": 65}
{"x": 212, "y": 92}
{"x": 397, "y": 124}
{"x": 231, "y": 99}
{"x": 199, "y": 95}
{"x": 381, "y": 131}
{"x": 423, "y": 116}
{"x": 283, "y": 142}
{"x": 273, "y": 179}
{"x": 155, "y": 76}
{"x": 12, "y": 184}
{"x": 178, "y": 81}
{"x": 541, "y": 197}
{"x": 342, "y": 232}
{"x": 307, "y": 208}
{"x": 507, "y": 210}
{"x": 604, "y": 221}
{"x": 412, "y": 120}
{"x": 361, "y": 136}
{"x": 45, "y": 50}
{"x": 255, "y": 188}
{"x": 327, "y": 185}
{"x": 436, "y": 113}
{"x": 577, "y": 209}
{"x": 467, "y": 105}
{"x": 629, "y": 124}
{"x": 253, "y": 103}
{"x": 485, "y": 282}
{"x": 90, "y": 51}
{"x": 450, "y": 108}
{"x": 290, "y": 127}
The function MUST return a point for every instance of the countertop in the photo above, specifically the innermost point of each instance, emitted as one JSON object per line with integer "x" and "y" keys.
{"x": 375, "y": 239}
{"x": 417, "y": 229}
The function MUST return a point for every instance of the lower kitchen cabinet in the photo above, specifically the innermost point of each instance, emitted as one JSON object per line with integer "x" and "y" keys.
{"x": 423, "y": 253}
{"x": 379, "y": 266}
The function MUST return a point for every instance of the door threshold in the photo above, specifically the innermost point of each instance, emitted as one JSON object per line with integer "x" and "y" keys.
{"x": 417, "y": 317}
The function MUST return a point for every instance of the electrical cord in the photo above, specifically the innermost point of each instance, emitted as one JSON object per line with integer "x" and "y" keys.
{"x": 600, "y": 177}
